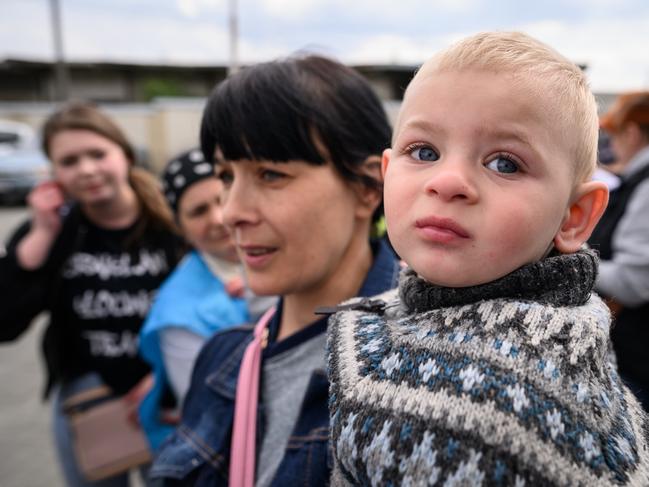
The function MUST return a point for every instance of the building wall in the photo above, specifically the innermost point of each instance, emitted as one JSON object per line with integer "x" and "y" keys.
{"x": 160, "y": 129}
{"x": 164, "y": 127}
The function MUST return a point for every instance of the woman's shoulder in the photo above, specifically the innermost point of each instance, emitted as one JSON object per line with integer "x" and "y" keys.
{"x": 225, "y": 348}
{"x": 192, "y": 297}
{"x": 189, "y": 268}
{"x": 224, "y": 340}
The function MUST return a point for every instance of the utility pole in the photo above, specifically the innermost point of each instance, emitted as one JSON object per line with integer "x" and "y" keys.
{"x": 61, "y": 71}
{"x": 233, "y": 25}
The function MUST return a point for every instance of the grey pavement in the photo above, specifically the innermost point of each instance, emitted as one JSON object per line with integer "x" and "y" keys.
{"x": 27, "y": 458}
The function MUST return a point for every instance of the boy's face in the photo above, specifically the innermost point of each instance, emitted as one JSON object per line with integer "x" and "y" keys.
{"x": 479, "y": 178}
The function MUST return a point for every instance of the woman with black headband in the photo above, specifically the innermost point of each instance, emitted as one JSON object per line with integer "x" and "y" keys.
{"x": 204, "y": 294}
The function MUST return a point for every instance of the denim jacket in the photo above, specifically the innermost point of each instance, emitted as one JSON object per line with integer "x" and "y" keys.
{"x": 198, "y": 453}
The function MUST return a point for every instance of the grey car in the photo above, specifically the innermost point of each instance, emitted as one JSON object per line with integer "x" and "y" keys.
{"x": 22, "y": 164}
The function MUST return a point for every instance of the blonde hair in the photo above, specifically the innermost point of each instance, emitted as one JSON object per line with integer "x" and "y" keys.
{"x": 86, "y": 116}
{"x": 553, "y": 77}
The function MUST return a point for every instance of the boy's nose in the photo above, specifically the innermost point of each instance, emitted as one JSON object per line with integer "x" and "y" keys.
{"x": 452, "y": 180}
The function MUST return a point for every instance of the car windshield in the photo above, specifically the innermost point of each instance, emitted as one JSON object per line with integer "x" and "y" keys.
{"x": 16, "y": 136}
{"x": 9, "y": 138}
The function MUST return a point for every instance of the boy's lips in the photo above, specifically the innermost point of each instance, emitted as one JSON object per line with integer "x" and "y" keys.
{"x": 443, "y": 230}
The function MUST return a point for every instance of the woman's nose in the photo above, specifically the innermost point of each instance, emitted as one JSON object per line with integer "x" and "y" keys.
{"x": 86, "y": 164}
{"x": 216, "y": 214}
{"x": 238, "y": 204}
{"x": 452, "y": 180}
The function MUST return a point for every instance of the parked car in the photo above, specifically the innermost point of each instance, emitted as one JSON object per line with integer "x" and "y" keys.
{"x": 22, "y": 164}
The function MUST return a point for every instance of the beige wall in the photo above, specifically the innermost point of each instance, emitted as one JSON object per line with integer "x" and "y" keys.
{"x": 163, "y": 127}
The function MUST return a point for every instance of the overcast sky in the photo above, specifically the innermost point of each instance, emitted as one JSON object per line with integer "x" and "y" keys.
{"x": 610, "y": 36}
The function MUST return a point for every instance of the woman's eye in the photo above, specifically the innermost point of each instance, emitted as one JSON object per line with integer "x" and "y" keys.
{"x": 269, "y": 175}
{"x": 424, "y": 153}
{"x": 503, "y": 164}
{"x": 97, "y": 154}
{"x": 68, "y": 161}
{"x": 225, "y": 176}
{"x": 198, "y": 211}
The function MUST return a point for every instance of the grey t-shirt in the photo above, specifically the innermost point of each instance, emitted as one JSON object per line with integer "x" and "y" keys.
{"x": 285, "y": 377}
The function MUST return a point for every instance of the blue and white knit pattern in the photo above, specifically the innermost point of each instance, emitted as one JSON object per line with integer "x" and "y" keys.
{"x": 504, "y": 391}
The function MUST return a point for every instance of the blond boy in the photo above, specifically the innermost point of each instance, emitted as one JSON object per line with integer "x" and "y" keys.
{"x": 489, "y": 365}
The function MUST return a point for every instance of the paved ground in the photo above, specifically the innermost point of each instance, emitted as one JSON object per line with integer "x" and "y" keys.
{"x": 26, "y": 453}
{"x": 27, "y": 457}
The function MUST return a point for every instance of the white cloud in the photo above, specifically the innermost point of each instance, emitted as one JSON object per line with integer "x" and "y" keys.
{"x": 384, "y": 49}
{"x": 365, "y": 11}
{"x": 291, "y": 9}
{"x": 457, "y": 6}
{"x": 590, "y": 5}
{"x": 614, "y": 50}
{"x": 166, "y": 40}
{"x": 16, "y": 40}
{"x": 192, "y": 8}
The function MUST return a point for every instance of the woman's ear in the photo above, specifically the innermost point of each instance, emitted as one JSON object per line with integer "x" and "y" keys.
{"x": 369, "y": 198}
{"x": 581, "y": 217}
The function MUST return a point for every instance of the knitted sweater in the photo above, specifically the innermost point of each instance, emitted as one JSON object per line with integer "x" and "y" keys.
{"x": 506, "y": 383}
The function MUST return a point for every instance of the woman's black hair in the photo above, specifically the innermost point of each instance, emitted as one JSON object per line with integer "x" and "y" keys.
{"x": 306, "y": 108}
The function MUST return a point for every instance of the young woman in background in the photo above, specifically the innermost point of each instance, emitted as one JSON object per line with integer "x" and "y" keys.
{"x": 99, "y": 243}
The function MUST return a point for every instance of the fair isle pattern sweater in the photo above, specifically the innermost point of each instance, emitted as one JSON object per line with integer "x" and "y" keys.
{"x": 506, "y": 383}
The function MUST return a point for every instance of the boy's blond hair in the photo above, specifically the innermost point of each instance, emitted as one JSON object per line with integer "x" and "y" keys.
{"x": 550, "y": 75}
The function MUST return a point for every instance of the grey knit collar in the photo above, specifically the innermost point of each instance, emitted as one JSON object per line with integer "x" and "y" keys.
{"x": 560, "y": 280}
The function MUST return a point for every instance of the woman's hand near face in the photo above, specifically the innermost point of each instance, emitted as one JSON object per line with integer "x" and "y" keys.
{"x": 45, "y": 201}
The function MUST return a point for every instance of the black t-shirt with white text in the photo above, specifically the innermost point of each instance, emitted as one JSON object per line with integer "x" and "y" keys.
{"x": 107, "y": 288}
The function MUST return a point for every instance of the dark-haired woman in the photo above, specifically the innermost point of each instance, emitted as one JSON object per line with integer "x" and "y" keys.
{"x": 297, "y": 143}
{"x": 100, "y": 241}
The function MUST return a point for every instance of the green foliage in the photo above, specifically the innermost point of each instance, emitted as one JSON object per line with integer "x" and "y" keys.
{"x": 157, "y": 87}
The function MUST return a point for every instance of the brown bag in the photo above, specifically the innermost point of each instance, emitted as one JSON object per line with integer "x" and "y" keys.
{"x": 105, "y": 442}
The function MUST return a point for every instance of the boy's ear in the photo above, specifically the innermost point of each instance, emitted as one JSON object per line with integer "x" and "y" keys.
{"x": 581, "y": 217}
{"x": 385, "y": 160}
{"x": 369, "y": 198}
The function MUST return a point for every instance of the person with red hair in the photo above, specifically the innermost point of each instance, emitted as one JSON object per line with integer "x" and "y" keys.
{"x": 622, "y": 239}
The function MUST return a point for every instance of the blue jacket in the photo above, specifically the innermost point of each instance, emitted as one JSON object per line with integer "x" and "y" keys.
{"x": 193, "y": 299}
{"x": 198, "y": 453}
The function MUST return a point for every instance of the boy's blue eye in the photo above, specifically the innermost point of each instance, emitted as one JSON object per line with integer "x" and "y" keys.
{"x": 503, "y": 165}
{"x": 424, "y": 153}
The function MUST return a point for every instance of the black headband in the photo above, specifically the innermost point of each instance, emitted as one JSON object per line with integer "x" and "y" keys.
{"x": 183, "y": 171}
